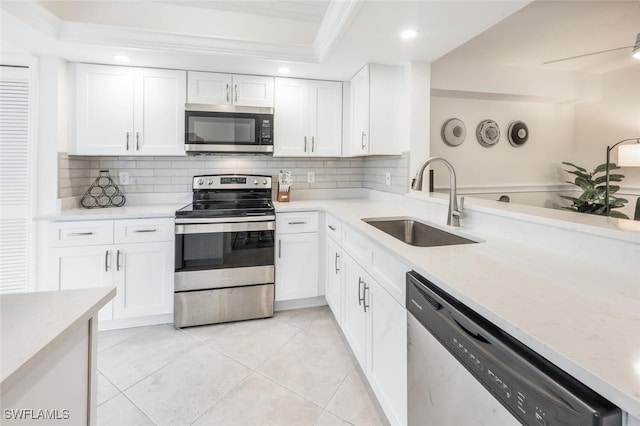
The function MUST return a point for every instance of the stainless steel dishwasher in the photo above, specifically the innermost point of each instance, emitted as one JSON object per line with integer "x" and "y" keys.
{"x": 463, "y": 370}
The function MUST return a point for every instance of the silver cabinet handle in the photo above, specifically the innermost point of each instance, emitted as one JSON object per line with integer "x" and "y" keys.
{"x": 78, "y": 234}
{"x": 305, "y": 144}
{"x": 313, "y": 143}
{"x": 298, "y": 223}
{"x": 137, "y": 141}
{"x": 227, "y": 89}
{"x": 333, "y": 228}
{"x": 360, "y": 298}
{"x": 336, "y": 262}
{"x": 106, "y": 260}
{"x": 362, "y": 140}
{"x": 118, "y": 260}
{"x": 365, "y": 305}
{"x": 145, "y": 230}
{"x": 279, "y": 249}
{"x": 235, "y": 92}
{"x": 127, "y": 141}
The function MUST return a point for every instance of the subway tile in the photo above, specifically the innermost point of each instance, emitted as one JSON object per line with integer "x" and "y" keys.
{"x": 188, "y": 164}
{"x": 124, "y": 164}
{"x": 171, "y": 188}
{"x": 169, "y": 172}
{"x": 153, "y": 164}
{"x": 155, "y": 180}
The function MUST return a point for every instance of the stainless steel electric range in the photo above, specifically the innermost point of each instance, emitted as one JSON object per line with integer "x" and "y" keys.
{"x": 224, "y": 269}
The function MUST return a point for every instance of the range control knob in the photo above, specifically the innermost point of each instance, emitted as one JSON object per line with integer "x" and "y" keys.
{"x": 255, "y": 181}
{"x": 209, "y": 181}
{"x": 264, "y": 181}
{"x": 200, "y": 181}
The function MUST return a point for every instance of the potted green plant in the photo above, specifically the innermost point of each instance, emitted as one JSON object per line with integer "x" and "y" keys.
{"x": 593, "y": 186}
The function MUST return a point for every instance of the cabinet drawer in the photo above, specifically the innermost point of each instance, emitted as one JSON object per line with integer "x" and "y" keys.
{"x": 82, "y": 233}
{"x": 144, "y": 230}
{"x": 333, "y": 228}
{"x": 297, "y": 222}
{"x": 390, "y": 272}
{"x": 358, "y": 246}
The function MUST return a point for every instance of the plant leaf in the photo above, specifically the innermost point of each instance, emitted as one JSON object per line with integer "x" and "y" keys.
{"x": 574, "y": 166}
{"x": 603, "y": 167}
{"x": 618, "y": 215}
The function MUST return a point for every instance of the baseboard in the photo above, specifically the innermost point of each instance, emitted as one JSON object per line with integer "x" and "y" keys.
{"x": 310, "y": 302}
{"x": 135, "y": 322}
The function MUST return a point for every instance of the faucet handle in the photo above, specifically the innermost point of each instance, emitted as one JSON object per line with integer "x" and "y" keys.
{"x": 461, "y": 205}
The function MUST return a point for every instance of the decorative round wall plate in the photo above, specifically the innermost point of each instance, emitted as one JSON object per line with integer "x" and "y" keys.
{"x": 488, "y": 133}
{"x": 518, "y": 133}
{"x": 453, "y": 132}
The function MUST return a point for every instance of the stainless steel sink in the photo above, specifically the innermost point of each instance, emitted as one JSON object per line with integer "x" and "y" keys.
{"x": 415, "y": 233}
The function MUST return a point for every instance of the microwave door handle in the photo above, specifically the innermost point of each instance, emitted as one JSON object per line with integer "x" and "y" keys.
{"x": 235, "y": 92}
{"x": 227, "y": 91}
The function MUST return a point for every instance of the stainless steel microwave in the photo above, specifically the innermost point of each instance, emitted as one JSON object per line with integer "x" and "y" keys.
{"x": 228, "y": 129}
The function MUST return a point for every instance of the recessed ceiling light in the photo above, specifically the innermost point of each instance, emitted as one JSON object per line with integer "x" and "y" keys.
{"x": 121, "y": 58}
{"x": 408, "y": 34}
{"x": 284, "y": 70}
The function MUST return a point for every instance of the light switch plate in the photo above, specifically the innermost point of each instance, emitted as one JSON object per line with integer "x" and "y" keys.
{"x": 387, "y": 178}
{"x": 311, "y": 177}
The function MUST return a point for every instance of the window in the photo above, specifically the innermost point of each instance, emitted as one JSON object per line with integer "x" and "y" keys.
{"x": 15, "y": 212}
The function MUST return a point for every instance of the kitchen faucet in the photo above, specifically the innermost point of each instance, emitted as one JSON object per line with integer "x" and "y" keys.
{"x": 454, "y": 214}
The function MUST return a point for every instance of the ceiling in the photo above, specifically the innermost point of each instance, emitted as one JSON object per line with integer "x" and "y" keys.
{"x": 545, "y": 31}
{"x": 328, "y": 39}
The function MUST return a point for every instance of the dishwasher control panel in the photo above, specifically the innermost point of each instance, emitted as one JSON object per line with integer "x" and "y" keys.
{"x": 532, "y": 389}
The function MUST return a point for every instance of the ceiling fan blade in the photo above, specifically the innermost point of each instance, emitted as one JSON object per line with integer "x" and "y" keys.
{"x": 586, "y": 54}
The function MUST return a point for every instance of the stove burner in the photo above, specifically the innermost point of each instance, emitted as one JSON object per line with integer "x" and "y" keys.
{"x": 221, "y": 200}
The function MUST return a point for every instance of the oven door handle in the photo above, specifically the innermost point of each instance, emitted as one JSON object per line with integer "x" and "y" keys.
{"x": 212, "y": 228}
{"x": 206, "y": 220}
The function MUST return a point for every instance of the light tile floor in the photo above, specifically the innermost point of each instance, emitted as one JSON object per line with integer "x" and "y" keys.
{"x": 293, "y": 369}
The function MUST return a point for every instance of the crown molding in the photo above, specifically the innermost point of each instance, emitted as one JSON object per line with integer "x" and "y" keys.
{"x": 335, "y": 22}
{"x": 34, "y": 15}
{"x": 105, "y": 35}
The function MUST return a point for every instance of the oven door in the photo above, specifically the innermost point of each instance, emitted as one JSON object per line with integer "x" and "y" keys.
{"x": 208, "y": 131}
{"x": 219, "y": 255}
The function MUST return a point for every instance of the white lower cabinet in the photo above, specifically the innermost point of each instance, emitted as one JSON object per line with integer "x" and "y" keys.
{"x": 387, "y": 352}
{"x": 296, "y": 256}
{"x": 144, "y": 279}
{"x": 139, "y": 263}
{"x": 373, "y": 322}
{"x": 333, "y": 277}
{"x": 354, "y": 324}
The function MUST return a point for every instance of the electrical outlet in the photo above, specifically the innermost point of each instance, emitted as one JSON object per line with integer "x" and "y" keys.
{"x": 387, "y": 178}
{"x": 311, "y": 177}
{"x": 123, "y": 178}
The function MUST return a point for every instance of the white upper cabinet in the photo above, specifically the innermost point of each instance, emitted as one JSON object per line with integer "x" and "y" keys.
{"x": 128, "y": 111}
{"x": 308, "y": 118}
{"x": 229, "y": 89}
{"x": 375, "y": 112}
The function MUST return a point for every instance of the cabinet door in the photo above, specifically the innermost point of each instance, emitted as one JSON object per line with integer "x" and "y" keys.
{"x": 144, "y": 278}
{"x": 359, "y": 143}
{"x": 251, "y": 90}
{"x": 387, "y": 352}
{"x": 325, "y": 118}
{"x": 354, "y": 317}
{"x": 209, "y": 88}
{"x": 103, "y": 110}
{"x": 83, "y": 267}
{"x": 291, "y": 120}
{"x": 296, "y": 266}
{"x": 159, "y": 116}
{"x": 333, "y": 274}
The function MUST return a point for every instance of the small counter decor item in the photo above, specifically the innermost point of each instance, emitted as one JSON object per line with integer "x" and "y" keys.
{"x": 284, "y": 184}
{"x": 488, "y": 133}
{"x": 518, "y": 133}
{"x": 453, "y": 132}
{"x": 103, "y": 192}
{"x": 594, "y": 192}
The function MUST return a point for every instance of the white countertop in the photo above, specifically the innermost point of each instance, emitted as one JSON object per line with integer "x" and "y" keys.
{"x": 582, "y": 316}
{"x": 33, "y": 324}
{"x": 110, "y": 213}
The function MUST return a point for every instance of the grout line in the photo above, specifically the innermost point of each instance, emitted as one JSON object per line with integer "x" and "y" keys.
{"x": 140, "y": 409}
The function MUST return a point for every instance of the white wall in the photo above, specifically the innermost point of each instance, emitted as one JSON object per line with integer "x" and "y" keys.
{"x": 613, "y": 117}
{"x": 535, "y": 163}
{"x": 417, "y": 89}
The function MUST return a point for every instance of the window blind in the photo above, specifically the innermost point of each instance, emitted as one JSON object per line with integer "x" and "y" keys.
{"x": 14, "y": 179}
